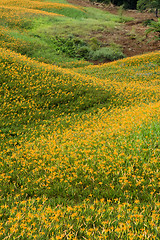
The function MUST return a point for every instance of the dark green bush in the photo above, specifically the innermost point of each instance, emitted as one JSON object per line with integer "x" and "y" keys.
{"x": 71, "y": 46}
{"x": 107, "y": 53}
{"x": 84, "y": 52}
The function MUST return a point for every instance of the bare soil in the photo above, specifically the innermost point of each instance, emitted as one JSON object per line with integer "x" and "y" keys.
{"x": 131, "y": 35}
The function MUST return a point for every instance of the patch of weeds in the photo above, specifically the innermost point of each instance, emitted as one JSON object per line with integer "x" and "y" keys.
{"x": 107, "y": 53}
{"x": 71, "y": 46}
{"x": 132, "y": 34}
{"x": 154, "y": 27}
{"x": 147, "y": 22}
{"x": 92, "y": 50}
{"x": 94, "y": 43}
{"x": 120, "y": 13}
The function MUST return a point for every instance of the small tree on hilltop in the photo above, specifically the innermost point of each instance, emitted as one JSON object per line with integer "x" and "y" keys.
{"x": 144, "y": 4}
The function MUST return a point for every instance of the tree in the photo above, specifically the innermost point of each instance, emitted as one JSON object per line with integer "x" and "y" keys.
{"x": 127, "y": 3}
{"x": 144, "y": 4}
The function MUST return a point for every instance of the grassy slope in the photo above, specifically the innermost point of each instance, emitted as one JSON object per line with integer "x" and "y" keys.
{"x": 80, "y": 149}
{"x": 33, "y": 26}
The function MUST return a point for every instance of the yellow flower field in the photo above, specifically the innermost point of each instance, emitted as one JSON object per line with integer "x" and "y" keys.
{"x": 35, "y": 4}
{"x": 98, "y": 168}
{"x": 80, "y": 146}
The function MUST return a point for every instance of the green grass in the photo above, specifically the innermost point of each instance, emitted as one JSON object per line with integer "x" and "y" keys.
{"x": 88, "y": 20}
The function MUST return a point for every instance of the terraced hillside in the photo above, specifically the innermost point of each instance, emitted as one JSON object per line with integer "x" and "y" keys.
{"x": 79, "y": 142}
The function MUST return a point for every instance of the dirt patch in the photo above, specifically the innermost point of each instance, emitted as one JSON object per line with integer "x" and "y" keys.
{"x": 132, "y": 38}
{"x": 131, "y": 35}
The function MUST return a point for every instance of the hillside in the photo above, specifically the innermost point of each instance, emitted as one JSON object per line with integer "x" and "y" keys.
{"x": 80, "y": 33}
{"x": 79, "y": 141}
{"x": 131, "y": 35}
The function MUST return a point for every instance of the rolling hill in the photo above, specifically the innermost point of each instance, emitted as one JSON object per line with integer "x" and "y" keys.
{"x": 79, "y": 142}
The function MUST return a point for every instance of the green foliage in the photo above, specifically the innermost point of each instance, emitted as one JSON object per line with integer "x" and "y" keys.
{"x": 70, "y": 12}
{"x": 77, "y": 48}
{"x": 155, "y": 28}
{"x": 120, "y": 12}
{"x": 144, "y": 4}
{"x": 94, "y": 43}
{"x": 127, "y": 3}
{"x": 70, "y": 46}
{"x": 147, "y": 22}
{"x": 107, "y": 53}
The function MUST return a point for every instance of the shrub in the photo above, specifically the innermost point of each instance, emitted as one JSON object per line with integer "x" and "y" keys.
{"x": 94, "y": 43}
{"x": 71, "y": 46}
{"x": 107, "y": 53}
{"x": 84, "y": 52}
{"x": 155, "y": 28}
